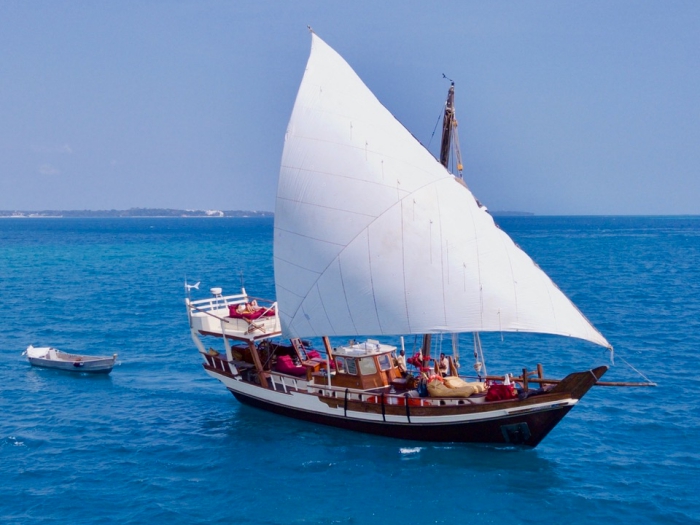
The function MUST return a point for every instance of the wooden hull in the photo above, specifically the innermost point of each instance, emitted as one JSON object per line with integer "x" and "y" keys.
{"x": 526, "y": 430}
{"x": 514, "y": 422}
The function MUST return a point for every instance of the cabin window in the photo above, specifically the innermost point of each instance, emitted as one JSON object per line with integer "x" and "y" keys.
{"x": 351, "y": 365}
{"x": 384, "y": 362}
{"x": 340, "y": 365}
{"x": 367, "y": 366}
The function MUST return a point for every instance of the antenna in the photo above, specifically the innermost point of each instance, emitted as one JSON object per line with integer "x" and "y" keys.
{"x": 188, "y": 287}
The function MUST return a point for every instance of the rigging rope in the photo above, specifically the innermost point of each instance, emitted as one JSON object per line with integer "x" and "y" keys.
{"x": 633, "y": 368}
{"x": 442, "y": 110}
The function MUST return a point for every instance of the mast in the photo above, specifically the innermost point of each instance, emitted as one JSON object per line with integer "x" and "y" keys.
{"x": 447, "y": 121}
{"x": 449, "y": 133}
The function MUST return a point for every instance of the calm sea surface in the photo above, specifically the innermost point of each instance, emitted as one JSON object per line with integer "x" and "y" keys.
{"x": 158, "y": 441}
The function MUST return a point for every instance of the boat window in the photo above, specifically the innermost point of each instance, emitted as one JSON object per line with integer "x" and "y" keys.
{"x": 351, "y": 365}
{"x": 384, "y": 362}
{"x": 367, "y": 366}
{"x": 340, "y": 365}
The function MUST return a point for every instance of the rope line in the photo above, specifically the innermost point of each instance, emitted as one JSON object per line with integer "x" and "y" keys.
{"x": 633, "y": 368}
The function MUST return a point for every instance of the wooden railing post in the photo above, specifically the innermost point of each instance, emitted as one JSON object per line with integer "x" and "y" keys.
{"x": 258, "y": 364}
{"x": 525, "y": 380}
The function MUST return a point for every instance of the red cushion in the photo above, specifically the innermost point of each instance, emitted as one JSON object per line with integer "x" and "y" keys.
{"x": 250, "y": 316}
{"x": 286, "y": 365}
{"x": 500, "y": 392}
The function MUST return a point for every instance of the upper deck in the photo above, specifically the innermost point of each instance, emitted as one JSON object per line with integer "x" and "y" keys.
{"x": 239, "y": 316}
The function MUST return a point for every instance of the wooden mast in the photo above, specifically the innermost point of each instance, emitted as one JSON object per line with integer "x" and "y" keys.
{"x": 450, "y": 137}
{"x": 327, "y": 345}
{"x": 447, "y": 123}
{"x": 258, "y": 363}
{"x": 449, "y": 133}
{"x": 425, "y": 349}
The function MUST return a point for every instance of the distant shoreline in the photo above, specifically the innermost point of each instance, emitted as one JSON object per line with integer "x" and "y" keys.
{"x": 512, "y": 213}
{"x": 165, "y": 213}
{"x": 149, "y": 213}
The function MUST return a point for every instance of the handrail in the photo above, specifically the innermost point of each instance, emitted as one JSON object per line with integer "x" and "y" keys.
{"x": 221, "y": 299}
{"x": 282, "y": 378}
{"x": 222, "y": 319}
{"x": 545, "y": 381}
{"x": 240, "y": 298}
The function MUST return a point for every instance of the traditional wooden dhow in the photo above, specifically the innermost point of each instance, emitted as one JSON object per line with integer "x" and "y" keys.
{"x": 375, "y": 237}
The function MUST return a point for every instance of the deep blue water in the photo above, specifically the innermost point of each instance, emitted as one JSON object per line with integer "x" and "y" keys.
{"x": 159, "y": 441}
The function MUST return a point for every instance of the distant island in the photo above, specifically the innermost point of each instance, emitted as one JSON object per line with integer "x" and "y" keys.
{"x": 136, "y": 212}
{"x": 169, "y": 212}
{"x": 511, "y": 213}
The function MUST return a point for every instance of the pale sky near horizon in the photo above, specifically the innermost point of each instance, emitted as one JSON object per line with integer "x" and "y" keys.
{"x": 565, "y": 107}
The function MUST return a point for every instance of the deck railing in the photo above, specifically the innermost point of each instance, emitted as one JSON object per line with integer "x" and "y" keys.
{"x": 211, "y": 316}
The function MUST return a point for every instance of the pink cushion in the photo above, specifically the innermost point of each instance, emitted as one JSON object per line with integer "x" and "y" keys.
{"x": 313, "y": 354}
{"x": 286, "y": 365}
{"x": 255, "y": 315}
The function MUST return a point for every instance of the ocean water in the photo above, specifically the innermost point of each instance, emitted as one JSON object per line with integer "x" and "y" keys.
{"x": 158, "y": 441}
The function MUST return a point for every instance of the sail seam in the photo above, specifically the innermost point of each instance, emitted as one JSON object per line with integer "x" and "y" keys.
{"x": 363, "y": 151}
{"x": 551, "y": 301}
{"x": 342, "y": 282}
{"x": 307, "y": 318}
{"x": 323, "y": 305}
{"x": 324, "y": 207}
{"x": 512, "y": 274}
{"x": 403, "y": 267}
{"x": 442, "y": 260}
{"x": 478, "y": 265}
{"x": 371, "y": 280}
{"x": 290, "y": 291}
{"x": 294, "y": 264}
{"x": 309, "y": 237}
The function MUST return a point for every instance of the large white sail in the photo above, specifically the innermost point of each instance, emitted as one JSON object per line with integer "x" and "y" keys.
{"x": 374, "y": 236}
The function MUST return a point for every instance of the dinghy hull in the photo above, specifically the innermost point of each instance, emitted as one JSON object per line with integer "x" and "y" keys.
{"x": 48, "y": 357}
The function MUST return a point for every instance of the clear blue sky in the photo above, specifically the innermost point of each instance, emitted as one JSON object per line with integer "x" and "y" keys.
{"x": 565, "y": 107}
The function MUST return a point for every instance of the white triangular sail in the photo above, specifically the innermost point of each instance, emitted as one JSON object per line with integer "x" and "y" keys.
{"x": 374, "y": 236}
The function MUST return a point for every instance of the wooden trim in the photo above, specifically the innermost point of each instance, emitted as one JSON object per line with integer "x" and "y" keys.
{"x": 578, "y": 383}
{"x": 327, "y": 345}
{"x": 258, "y": 364}
{"x": 425, "y": 349}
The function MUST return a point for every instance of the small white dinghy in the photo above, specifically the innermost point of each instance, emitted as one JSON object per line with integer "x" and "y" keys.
{"x": 49, "y": 357}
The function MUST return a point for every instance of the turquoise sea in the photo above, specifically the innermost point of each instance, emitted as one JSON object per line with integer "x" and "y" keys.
{"x": 158, "y": 441}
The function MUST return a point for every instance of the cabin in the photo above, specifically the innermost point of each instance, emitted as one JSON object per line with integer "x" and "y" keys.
{"x": 361, "y": 366}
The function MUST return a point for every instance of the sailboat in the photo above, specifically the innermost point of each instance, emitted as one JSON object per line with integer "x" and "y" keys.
{"x": 375, "y": 238}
